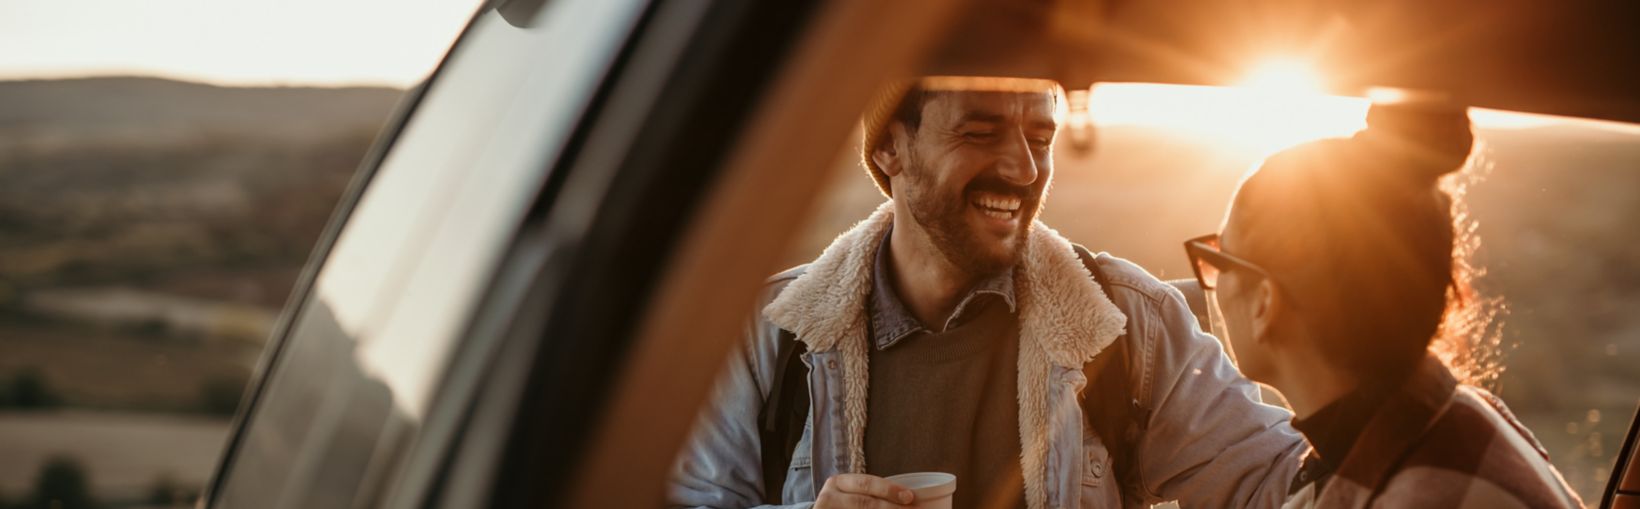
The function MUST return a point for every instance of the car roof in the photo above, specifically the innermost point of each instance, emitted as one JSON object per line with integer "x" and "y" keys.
{"x": 1571, "y": 58}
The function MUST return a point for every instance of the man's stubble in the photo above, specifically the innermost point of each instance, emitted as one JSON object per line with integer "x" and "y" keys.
{"x": 944, "y": 218}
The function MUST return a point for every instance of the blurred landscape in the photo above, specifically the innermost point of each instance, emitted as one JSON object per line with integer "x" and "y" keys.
{"x": 150, "y": 231}
{"x": 1555, "y": 208}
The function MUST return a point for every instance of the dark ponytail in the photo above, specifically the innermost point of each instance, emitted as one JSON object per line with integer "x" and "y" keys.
{"x": 1361, "y": 234}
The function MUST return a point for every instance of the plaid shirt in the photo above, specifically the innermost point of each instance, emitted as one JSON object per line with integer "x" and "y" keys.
{"x": 1435, "y": 443}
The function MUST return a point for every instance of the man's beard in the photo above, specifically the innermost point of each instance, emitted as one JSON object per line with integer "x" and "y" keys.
{"x": 945, "y": 218}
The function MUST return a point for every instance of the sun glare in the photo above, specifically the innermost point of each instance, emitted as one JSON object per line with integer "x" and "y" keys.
{"x": 1261, "y": 120}
{"x": 1283, "y": 75}
{"x": 1277, "y": 104}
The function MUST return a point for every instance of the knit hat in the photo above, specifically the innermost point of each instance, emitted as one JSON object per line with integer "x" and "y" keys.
{"x": 874, "y": 123}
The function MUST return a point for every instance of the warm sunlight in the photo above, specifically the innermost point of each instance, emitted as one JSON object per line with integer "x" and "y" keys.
{"x": 1289, "y": 76}
{"x": 1277, "y": 104}
{"x": 1257, "y": 119}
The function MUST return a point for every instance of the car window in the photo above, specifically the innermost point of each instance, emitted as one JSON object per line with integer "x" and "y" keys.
{"x": 361, "y": 363}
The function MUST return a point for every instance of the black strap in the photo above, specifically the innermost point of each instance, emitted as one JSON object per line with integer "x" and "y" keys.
{"x": 1109, "y": 402}
{"x": 780, "y": 422}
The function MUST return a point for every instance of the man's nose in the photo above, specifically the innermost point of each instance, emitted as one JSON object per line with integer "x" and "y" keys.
{"x": 1018, "y": 163}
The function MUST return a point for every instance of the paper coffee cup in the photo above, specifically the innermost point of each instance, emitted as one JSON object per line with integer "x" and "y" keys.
{"x": 933, "y": 489}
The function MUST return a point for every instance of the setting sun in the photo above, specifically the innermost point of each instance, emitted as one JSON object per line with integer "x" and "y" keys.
{"x": 1276, "y": 104}
{"x": 1284, "y": 76}
{"x": 1262, "y": 119}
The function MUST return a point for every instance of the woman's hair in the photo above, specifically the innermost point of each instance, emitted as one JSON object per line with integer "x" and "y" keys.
{"x": 1359, "y": 235}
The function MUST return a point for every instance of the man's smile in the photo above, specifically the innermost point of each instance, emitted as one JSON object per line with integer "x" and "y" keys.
{"x": 1001, "y": 207}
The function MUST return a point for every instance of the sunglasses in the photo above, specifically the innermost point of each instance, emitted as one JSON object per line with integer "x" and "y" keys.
{"x": 1208, "y": 260}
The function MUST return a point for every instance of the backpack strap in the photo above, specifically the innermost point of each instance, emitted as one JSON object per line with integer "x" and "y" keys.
{"x": 1109, "y": 402}
{"x": 780, "y": 422}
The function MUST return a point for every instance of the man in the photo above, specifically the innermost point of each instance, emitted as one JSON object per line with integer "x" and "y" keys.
{"x": 949, "y": 332}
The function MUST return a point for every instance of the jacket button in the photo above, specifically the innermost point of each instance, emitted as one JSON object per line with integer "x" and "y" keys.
{"x": 1098, "y": 469}
{"x": 832, "y": 364}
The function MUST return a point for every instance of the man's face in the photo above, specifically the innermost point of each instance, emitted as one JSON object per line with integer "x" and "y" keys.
{"x": 975, "y": 172}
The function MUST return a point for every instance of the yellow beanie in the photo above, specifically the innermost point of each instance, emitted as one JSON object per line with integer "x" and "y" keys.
{"x": 878, "y": 115}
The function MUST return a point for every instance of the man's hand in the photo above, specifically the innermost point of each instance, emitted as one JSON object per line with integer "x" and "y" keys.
{"x": 862, "y": 491}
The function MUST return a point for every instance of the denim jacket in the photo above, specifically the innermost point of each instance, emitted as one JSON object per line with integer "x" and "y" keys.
{"x": 1208, "y": 441}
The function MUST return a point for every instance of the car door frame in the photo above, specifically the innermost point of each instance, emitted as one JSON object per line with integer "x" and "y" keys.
{"x": 540, "y": 435}
{"x": 1623, "y": 491}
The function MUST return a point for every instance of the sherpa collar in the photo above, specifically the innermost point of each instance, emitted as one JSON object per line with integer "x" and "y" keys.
{"x": 1064, "y": 320}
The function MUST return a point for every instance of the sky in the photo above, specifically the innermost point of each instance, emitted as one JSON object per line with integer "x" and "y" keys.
{"x": 231, "y": 42}
{"x": 397, "y": 42}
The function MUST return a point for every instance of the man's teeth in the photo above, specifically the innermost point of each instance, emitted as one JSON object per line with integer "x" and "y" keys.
{"x": 1000, "y": 207}
{"x": 996, "y": 213}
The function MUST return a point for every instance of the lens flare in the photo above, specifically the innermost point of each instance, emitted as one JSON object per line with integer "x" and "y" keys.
{"x": 1289, "y": 76}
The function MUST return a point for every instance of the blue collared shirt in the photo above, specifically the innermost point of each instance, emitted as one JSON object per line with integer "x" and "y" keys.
{"x": 892, "y": 322}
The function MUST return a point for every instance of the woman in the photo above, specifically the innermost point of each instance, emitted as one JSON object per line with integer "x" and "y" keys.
{"x": 1332, "y": 274}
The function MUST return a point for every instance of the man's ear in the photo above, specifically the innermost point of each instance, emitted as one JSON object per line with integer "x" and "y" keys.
{"x": 887, "y": 156}
{"x": 1267, "y": 308}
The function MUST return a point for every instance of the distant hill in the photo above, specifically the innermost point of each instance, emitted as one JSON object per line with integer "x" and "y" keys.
{"x": 154, "y": 111}
{"x": 139, "y": 215}
{"x": 106, "y": 179}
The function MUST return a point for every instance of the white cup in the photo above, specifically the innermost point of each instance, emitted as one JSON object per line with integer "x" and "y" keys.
{"x": 933, "y": 489}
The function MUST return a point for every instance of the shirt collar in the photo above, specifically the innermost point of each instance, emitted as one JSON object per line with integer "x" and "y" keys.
{"x": 1399, "y": 419}
{"x": 892, "y": 322}
{"x": 1333, "y": 429}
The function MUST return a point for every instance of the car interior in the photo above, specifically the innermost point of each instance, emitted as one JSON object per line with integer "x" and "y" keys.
{"x": 526, "y": 294}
